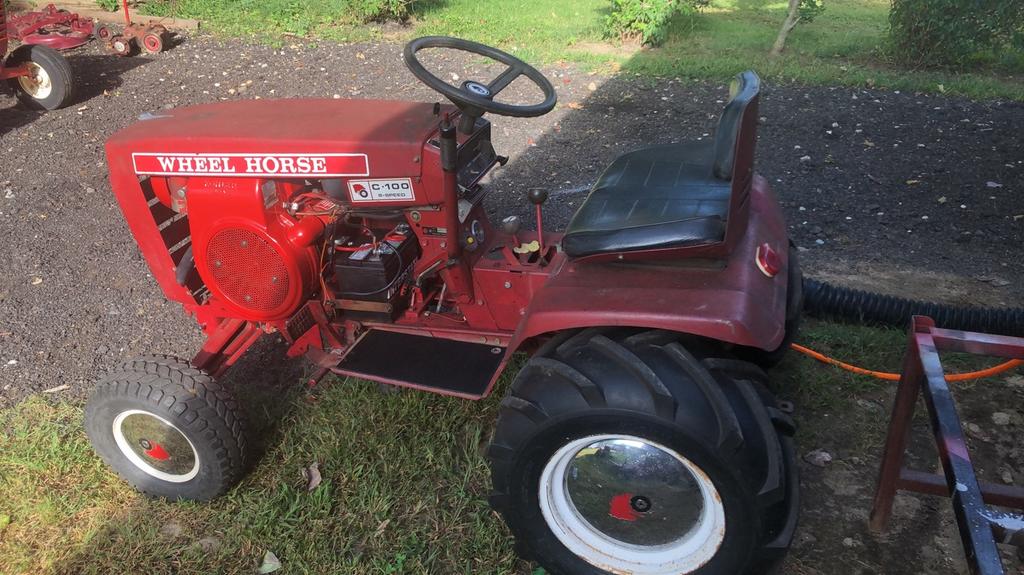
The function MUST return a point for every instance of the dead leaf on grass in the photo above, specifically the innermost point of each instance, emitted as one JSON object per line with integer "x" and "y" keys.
{"x": 270, "y": 563}
{"x": 312, "y": 475}
{"x": 575, "y": 105}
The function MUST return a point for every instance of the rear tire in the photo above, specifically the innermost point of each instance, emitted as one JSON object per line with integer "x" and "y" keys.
{"x": 168, "y": 429}
{"x": 619, "y": 451}
{"x": 50, "y": 85}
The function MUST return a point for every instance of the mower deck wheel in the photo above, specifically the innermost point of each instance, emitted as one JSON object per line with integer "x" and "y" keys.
{"x": 120, "y": 45}
{"x": 168, "y": 429}
{"x": 49, "y": 85}
{"x": 104, "y": 33}
{"x": 153, "y": 42}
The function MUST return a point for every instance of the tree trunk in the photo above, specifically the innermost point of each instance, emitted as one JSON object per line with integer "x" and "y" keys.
{"x": 791, "y": 19}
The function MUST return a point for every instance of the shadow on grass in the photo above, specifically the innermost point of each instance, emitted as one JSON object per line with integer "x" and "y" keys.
{"x": 267, "y": 384}
{"x": 422, "y": 8}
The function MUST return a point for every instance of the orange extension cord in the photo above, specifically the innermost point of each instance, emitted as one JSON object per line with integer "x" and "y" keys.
{"x": 1006, "y": 366}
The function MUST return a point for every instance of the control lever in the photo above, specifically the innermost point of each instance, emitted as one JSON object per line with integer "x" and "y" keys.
{"x": 537, "y": 197}
{"x": 510, "y": 225}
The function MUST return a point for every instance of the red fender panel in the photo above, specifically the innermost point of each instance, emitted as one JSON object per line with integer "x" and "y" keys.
{"x": 728, "y": 300}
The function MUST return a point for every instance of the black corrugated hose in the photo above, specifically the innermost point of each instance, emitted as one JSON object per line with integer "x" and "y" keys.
{"x": 825, "y": 300}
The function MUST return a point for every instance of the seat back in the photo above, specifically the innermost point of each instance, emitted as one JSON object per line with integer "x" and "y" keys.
{"x": 737, "y": 128}
{"x": 735, "y": 141}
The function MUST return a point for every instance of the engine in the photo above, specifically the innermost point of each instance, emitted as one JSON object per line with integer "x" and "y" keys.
{"x": 258, "y": 259}
{"x": 244, "y": 216}
{"x": 263, "y": 247}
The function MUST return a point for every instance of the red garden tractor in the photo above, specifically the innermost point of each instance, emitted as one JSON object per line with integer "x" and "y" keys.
{"x": 639, "y": 436}
{"x": 39, "y": 75}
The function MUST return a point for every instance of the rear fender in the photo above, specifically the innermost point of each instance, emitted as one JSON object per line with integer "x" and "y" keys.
{"x": 729, "y": 300}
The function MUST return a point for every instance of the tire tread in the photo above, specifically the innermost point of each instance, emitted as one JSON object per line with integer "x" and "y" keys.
{"x": 618, "y": 370}
{"x": 190, "y": 394}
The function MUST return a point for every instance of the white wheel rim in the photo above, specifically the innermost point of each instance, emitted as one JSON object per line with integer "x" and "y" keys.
{"x": 686, "y": 553}
{"x": 139, "y": 434}
{"x": 37, "y": 82}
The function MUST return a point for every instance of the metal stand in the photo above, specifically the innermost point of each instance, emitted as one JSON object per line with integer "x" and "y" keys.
{"x": 980, "y": 525}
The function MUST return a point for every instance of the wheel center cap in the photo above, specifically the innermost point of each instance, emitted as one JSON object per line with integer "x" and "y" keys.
{"x": 477, "y": 89}
{"x": 614, "y": 483}
{"x": 154, "y": 450}
{"x": 640, "y": 504}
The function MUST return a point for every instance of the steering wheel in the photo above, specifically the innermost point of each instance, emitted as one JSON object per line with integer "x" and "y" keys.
{"x": 474, "y": 98}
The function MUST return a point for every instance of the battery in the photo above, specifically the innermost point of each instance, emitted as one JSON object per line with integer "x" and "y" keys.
{"x": 369, "y": 280}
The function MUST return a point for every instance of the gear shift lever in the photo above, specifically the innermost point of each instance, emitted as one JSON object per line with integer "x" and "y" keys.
{"x": 537, "y": 197}
{"x": 510, "y": 225}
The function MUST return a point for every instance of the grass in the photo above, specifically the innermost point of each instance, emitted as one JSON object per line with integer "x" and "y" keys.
{"x": 404, "y": 481}
{"x": 532, "y": 30}
{"x": 404, "y": 487}
{"x": 844, "y": 46}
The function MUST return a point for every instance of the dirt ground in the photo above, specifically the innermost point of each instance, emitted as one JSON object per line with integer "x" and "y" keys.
{"x": 911, "y": 194}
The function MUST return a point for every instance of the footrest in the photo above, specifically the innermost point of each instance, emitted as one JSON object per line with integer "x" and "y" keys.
{"x": 433, "y": 364}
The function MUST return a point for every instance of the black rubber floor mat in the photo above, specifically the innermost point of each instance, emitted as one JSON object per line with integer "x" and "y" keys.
{"x": 435, "y": 364}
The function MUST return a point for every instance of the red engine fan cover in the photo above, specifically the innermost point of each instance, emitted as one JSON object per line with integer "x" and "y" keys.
{"x": 253, "y": 272}
{"x": 247, "y": 268}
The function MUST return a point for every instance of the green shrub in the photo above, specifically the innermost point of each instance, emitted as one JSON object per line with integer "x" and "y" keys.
{"x": 109, "y": 5}
{"x": 382, "y": 10}
{"x": 646, "y": 20}
{"x": 954, "y": 32}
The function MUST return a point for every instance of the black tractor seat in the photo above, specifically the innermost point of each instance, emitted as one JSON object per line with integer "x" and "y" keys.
{"x": 667, "y": 196}
{"x": 659, "y": 197}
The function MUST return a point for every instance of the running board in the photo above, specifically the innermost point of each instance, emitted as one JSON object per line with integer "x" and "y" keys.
{"x": 443, "y": 366}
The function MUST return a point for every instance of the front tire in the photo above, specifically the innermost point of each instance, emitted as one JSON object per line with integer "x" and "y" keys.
{"x": 49, "y": 84}
{"x": 619, "y": 451}
{"x": 168, "y": 429}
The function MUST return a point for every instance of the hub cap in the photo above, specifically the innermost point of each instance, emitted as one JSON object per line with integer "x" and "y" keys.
{"x": 626, "y": 504}
{"x": 155, "y": 446}
{"x": 37, "y": 83}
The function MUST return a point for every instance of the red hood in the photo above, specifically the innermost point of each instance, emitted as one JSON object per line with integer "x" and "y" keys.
{"x": 389, "y": 133}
